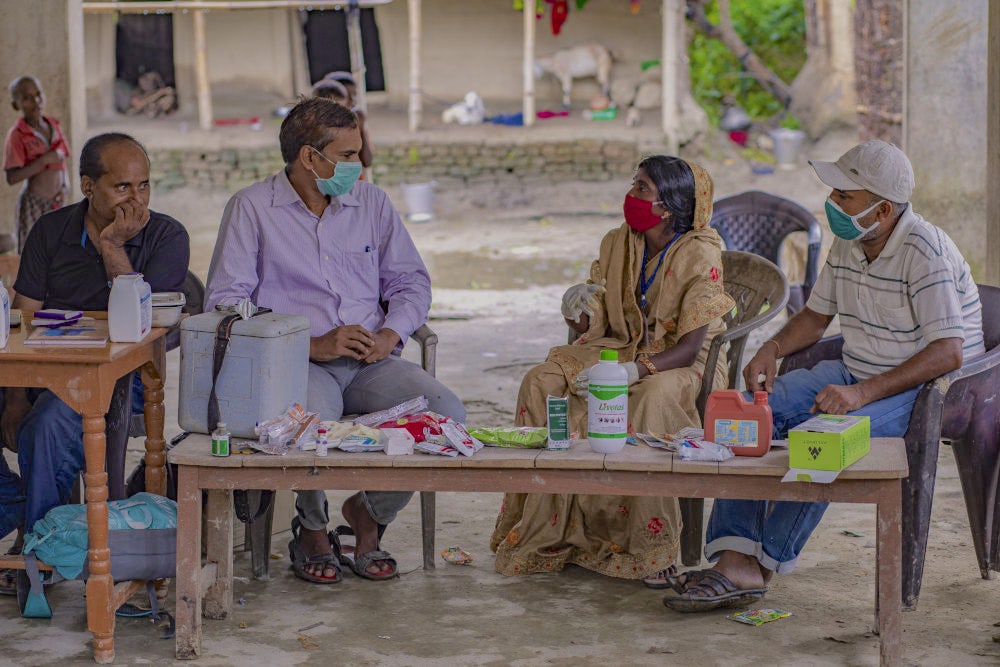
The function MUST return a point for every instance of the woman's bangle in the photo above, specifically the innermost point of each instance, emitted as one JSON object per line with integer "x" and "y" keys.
{"x": 644, "y": 360}
{"x": 776, "y": 347}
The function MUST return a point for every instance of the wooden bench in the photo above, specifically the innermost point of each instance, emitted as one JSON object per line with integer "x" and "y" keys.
{"x": 643, "y": 471}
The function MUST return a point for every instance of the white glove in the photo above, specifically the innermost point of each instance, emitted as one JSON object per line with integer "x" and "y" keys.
{"x": 582, "y": 379}
{"x": 580, "y": 299}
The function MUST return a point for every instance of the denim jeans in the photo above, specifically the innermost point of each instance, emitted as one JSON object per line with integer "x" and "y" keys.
{"x": 776, "y": 531}
{"x": 351, "y": 386}
{"x": 49, "y": 457}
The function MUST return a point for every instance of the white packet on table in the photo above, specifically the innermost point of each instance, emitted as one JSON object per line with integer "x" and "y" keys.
{"x": 430, "y": 447}
{"x": 703, "y": 450}
{"x": 412, "y": 406}
{"x": 459, "y": 438}
{"x": 399, "y": 441}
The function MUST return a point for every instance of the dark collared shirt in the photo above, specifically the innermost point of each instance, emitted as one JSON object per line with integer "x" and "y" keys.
{"x": 61, "y": 268}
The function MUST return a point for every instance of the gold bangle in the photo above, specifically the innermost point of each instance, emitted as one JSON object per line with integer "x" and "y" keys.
{"x": 776, "y": 346}
{"x": 644, "y": 360}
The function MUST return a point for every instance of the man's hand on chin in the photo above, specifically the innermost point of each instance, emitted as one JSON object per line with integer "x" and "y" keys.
{"x": 385, "y": 342}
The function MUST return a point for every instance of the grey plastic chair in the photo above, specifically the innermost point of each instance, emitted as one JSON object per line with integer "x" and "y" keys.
{"x": 759, "y": 222}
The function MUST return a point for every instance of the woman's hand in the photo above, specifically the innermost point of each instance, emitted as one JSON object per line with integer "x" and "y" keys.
{"x": 582, "y": 380}
{"x": 580, "y": 299}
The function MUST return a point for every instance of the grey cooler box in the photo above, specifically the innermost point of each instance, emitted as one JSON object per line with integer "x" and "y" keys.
{"x": 266, "y": 369}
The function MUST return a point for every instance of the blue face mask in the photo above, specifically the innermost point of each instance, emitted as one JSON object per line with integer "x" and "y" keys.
{"x": 846, "y": 226}
{"x": 345, "y": 175}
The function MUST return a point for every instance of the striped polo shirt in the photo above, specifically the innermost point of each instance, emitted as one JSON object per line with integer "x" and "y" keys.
{"x": 918, "y": 289}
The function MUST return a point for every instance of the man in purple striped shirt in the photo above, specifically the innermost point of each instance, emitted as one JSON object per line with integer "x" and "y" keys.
{"x": 311, "y": 240}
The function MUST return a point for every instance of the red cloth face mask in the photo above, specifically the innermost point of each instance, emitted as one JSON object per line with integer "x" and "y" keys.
{"x": 639, "y": 214}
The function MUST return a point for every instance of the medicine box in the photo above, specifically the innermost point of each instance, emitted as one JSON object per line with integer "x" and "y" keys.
{"x": 828, "y": 442}
{"x": 266, "y": 369}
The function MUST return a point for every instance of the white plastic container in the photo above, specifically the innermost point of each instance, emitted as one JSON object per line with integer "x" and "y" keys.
{"x": 607, "y": 405}
{"x": 419, "y": 199}
{"x": 4, "y": 315}
{"x": 130, "y": 309}
{"x": 266, "y": 369}
{"x": 167, "y": 308}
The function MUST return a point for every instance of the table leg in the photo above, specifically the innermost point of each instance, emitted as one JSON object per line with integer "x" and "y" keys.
{"x": 100, "y": 586}
{"x": 218, "y": 601}
{"x": 187, "y": 611}
{"x": 889, "y": 574}
{"x": 156, "y": 458}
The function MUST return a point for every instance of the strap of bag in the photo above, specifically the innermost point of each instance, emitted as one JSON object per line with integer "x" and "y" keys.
{"x": 222, "y": 335}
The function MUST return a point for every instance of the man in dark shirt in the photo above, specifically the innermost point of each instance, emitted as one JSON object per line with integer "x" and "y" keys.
{"x": 70, "y": 259}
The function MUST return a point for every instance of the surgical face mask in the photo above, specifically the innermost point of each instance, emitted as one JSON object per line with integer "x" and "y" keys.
{"x": 345, "y": 175}
{"x": 847, "y": 226}
{"x": 639, "y": 214}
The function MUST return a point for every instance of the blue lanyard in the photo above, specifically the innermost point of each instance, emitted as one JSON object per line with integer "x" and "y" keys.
{"x": 645, "y": 284}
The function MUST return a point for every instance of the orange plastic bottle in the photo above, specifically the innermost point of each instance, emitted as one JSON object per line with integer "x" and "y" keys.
{"x": 743, "y": 426}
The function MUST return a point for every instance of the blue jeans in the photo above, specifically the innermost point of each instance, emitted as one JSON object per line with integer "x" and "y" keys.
{"x": 776, "y": 531}
{"x": 49, "y": 457}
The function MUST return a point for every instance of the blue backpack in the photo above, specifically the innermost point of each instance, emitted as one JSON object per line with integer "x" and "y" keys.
{"x": 142, "y": 537}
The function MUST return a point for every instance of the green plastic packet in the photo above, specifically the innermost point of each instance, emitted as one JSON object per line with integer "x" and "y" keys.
{"x": 757, "y": 617}
{"x": 521, "y": 437}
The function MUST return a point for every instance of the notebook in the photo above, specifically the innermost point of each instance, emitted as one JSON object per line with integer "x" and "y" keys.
{"x": 91, "y": 334}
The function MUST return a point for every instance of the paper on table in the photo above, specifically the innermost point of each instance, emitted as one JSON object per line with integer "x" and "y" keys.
{"x": 815, "y": 476}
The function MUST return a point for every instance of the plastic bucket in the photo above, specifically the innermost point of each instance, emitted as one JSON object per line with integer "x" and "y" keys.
{"x": 419, "y": 199}
{"x": 787, "y": 145}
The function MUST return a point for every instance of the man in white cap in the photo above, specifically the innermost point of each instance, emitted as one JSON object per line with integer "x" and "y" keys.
{"x": 909, "y": 312}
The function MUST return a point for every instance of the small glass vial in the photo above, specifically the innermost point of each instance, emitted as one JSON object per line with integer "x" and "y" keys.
{"x": 220, "y": 441}
{"x": 322, "y": 445}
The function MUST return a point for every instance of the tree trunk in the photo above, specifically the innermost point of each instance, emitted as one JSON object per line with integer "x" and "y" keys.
{"x": 878, "y": 62}
{"x": 725, "y": 33}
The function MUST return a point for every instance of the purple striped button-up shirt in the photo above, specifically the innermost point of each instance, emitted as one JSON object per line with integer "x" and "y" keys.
{"x": 333, "y": 269}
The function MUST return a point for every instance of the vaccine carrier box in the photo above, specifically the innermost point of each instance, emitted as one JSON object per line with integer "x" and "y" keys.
{"x": 266, "y": 369}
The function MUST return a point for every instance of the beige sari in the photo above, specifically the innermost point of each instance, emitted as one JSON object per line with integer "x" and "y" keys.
{"x": 622, "y": 536}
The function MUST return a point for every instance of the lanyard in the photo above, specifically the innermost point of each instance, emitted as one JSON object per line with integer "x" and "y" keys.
{"x": 644, "y": 284}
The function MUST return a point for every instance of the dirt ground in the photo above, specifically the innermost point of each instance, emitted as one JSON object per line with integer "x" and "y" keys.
{"x": 500, "y": 259}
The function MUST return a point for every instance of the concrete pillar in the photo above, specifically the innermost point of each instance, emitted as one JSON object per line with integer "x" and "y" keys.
{"x": 947, "y": 118}
{"x": 44, "y": 38}
{"x": 993, "y": 147}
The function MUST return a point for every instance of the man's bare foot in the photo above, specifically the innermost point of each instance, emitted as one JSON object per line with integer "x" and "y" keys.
{"x": 314, "y": 542}
{"x": 365, "y": 531}
{"x": 744, "y": 571}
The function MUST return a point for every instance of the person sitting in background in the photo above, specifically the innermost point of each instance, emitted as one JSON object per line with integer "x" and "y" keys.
{"x": 346, "y": 79}
{"x": 909, "y": 311}
{"x": 655, "y": 296}
{"x": 70, "y": 258}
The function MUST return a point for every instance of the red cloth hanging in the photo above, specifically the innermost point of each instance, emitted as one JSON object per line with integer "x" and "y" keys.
{"x": 560, "y": 12}
{"x": 634, "y": 6}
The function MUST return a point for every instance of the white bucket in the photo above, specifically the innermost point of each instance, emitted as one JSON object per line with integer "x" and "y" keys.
{"x": 419, "y": 198}
{"x": 787, "y": 145}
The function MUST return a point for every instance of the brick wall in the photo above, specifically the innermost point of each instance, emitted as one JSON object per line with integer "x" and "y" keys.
{"x": 467, "y": 162}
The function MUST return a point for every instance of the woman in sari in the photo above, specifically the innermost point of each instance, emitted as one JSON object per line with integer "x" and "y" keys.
{"x": 655, "y": 296}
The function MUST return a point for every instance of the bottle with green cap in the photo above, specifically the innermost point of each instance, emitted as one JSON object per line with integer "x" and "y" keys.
{"x": 607, "y": 404}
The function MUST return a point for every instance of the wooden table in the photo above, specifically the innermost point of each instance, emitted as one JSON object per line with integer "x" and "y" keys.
{"x": 84, "y": 378}
{"x": 638, "y": 471}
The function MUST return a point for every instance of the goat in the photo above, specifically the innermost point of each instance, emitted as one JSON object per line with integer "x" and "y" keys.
{"x": 470, "y": 111}
{"x": 577, "y": 62}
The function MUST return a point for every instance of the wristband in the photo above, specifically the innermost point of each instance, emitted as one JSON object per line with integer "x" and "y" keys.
{"x": 644, "y": 360}
{"x": 776, "y": 346}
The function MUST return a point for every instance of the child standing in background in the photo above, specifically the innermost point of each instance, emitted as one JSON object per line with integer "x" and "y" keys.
{"x": 35, "y": 152}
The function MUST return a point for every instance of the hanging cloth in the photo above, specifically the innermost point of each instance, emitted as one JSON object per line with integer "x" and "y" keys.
{"x": 560, "y": 12}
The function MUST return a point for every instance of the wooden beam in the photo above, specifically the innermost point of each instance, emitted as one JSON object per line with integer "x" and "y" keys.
{"x": 528, "y": 109}
{"x": 672, "y": 38}
{"x": 357, "y": 55}
{"x": 204, "y": 92}
{"x": 166, "y": 6}
{"x": 416, "y": 83}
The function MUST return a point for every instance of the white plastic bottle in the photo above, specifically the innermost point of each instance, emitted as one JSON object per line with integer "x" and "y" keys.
{"x": 4, "y": 315}
{"x": 220, "y": 440}
{"x": 607, "y": 404}
{"x": 130, "y": 309}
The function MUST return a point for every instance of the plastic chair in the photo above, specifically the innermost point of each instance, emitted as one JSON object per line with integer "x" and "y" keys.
{"x": 959, "y": 408}
{"x": 761, "y": 291}
{"x": 759, "y": 222}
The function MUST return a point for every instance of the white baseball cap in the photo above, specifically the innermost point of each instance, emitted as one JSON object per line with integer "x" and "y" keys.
{"x": 876, "y": 166}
